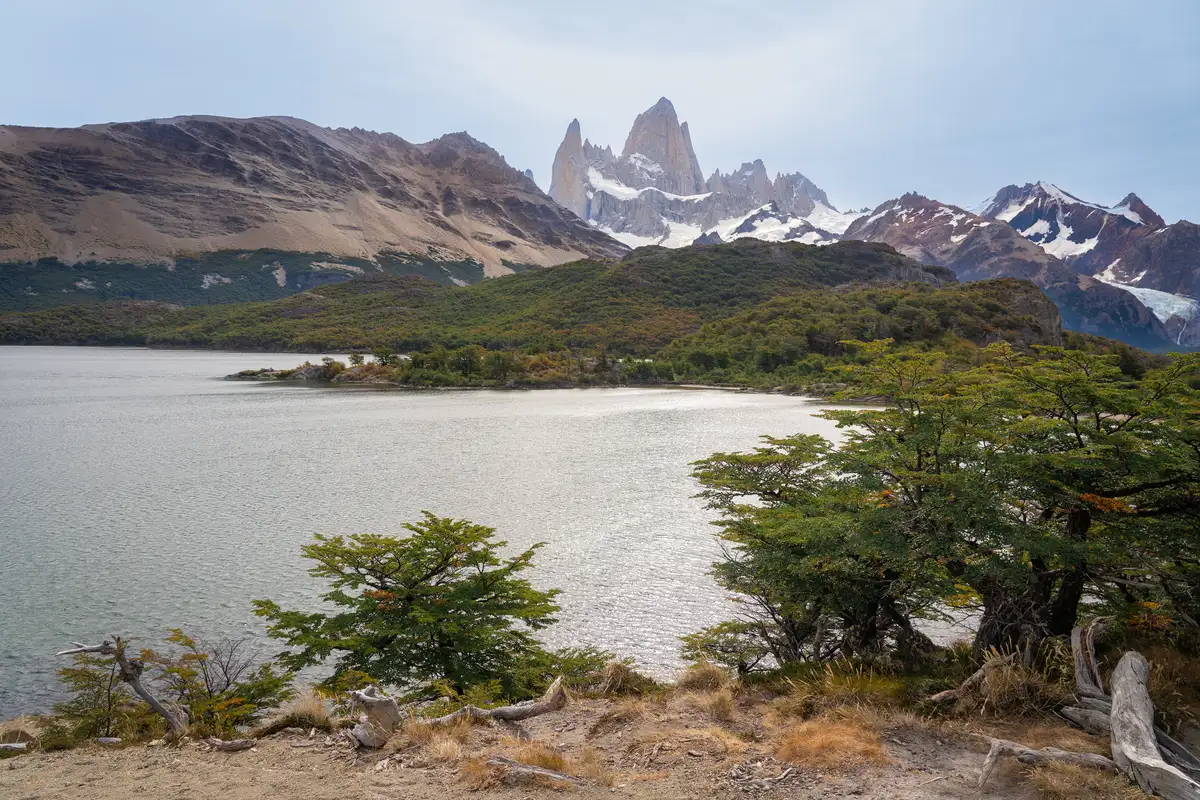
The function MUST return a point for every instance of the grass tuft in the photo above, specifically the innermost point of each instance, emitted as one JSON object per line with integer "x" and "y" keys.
{"x": 1057, "y": 781}
{"x": 831, "y": 744}
{"x": 306, "y": 710}
{"x": 702, "y": 676}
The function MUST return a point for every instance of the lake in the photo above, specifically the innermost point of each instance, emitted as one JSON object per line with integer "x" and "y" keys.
{"x": 139, "y": 492}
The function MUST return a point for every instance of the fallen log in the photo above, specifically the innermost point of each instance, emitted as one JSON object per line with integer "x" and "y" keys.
{"x": 1134, "y": 742}
{"x": 515, "y": 769}
{"x": 381, "y": 716}
{"x": 131, "y": 673}
{"x": 1002, "y": 747}
{"x": 231, "y": 746}
{"x": 1091, "y": 721}
{"x": 554, "y": 699}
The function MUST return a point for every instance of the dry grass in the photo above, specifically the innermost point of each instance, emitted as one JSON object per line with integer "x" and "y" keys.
{"x": 422, "y": 733}
{"x": 717, "y": 706}
{"x": 831, "y": 744}
{"x": 306, "y": 710}
{"x": 702, "y": 677}
{"x": 1011, "y": 689}
{"x": 1174, "y": 685}
{"x": 1062, "y": 737}
{"x": 443, "y": 749}
{"x": 621, "y": 714}
{"x": 20, "y": 729}
{"x": 838, "y": 685}
{"x": 620, "y": 678}
{"x": 478, "y": 775}
{"x": 1055, "y": 781}
{"x": 535, "y": 754}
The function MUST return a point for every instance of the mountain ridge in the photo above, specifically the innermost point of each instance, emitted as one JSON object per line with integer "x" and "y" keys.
{"x": 153, "y": 191}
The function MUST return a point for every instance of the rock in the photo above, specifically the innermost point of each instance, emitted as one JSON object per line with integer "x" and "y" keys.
{"x": 657, "y": 135}
{"x": 712, "y": 237}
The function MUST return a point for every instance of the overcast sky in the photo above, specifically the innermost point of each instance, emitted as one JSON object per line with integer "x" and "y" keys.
{"x": 869, "y": 98}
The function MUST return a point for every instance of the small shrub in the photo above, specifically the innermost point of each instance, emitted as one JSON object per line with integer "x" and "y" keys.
{"x": 1057, "y": 781}
{"x": 1011, "y": 688}
{"x": 830, "y": 744}
{"x": 620, "y": 678}
{"x": 702, "y": 676}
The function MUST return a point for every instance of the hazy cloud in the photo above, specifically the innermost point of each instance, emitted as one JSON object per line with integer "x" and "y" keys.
{"x": 869, "y": 98}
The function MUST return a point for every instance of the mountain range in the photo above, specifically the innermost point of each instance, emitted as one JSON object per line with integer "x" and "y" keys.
{"x": 1117, "y": 271}
{"x": 210, "y": 209}
{"x": 199, "y": 210}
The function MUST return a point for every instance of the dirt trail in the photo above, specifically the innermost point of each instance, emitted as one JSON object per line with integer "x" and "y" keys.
{"x": 647, "y": 751}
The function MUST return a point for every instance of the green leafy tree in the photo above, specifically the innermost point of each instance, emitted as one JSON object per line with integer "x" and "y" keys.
{"x": 99, "y": 703}
{"x": 386, "y": 357}
{"x": 1017, "y": 487}
{"x": 440, "y": 606}
{"x": 356, "y": 359}
{"x": 221, "y": 684}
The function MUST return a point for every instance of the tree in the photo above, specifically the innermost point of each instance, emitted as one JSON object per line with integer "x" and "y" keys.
{"x": 99, "y": 702}
{"x": 440, "y": 606}
{"x": 356, "y": 359}
{"x": 386, "y": 357}
{"x": 221, "y": 684}
{"x": 1019, "y": 485}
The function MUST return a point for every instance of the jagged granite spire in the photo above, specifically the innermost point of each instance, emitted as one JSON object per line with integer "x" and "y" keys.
{"x": 657, "y": 135}
{"x": 568, "y": 176}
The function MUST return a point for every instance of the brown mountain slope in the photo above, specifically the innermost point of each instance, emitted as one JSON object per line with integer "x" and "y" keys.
{"x": 153, "y": 191}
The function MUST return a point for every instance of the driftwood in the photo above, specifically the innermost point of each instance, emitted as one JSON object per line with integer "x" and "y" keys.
{"x": 131, "y": 673}
{"x": 514, "y": 770}
{"x": 1134, "y": 743}
{"x": 382, "y": 715}
{"x": 1093, "y": 711}
{"x": 970, "y": 685}
{"x": 553, "y": 700}
{"x": 16, "y": 746}
{"x": 1093, "y": 722}
{"x": 232, "y": 746}
{"x": 1083, "y": 646}
{"x": 1003, "y": 747}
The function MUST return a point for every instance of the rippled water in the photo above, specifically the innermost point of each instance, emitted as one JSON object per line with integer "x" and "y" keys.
{"x": 139, "y": 493}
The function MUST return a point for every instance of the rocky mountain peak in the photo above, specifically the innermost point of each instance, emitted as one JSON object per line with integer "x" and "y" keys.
{"x": 568, "y": 175}
{"x": 658, "y": 135}
{"x": 1148, "y": 215}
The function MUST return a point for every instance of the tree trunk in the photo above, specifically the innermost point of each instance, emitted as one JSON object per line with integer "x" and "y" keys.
{"x": 1001, "y": 747}
{"x": 131, "y": 673}
{"x": 1134, "y": 744}
{"x": 554, "y": 699}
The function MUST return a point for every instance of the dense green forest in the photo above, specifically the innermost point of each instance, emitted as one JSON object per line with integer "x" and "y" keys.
{"x": 747, "y": 313}
{"x": 224, "y": 276}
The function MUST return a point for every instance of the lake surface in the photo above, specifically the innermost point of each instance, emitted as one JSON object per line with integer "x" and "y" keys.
{"x": 138, "y": 492}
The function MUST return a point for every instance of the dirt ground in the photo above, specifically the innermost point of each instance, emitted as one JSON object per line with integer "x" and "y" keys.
{"x": 674, "y": 748}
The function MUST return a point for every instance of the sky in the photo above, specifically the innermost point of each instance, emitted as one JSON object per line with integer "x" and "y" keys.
{"x": 868, "y": 98}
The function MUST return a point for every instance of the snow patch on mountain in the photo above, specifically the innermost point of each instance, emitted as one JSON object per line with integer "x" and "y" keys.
{"x": 1163, "y": 305}
{"x": 620, "y": 191}
{"x": 827, "y": 219}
